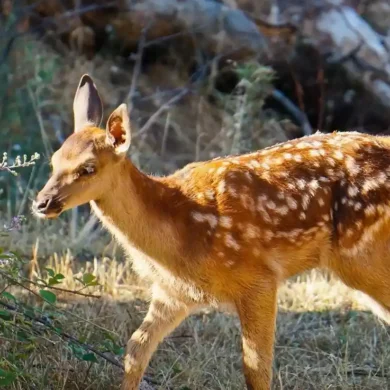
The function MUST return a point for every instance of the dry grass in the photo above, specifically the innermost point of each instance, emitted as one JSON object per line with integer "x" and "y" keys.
{"x": 324, "y": 339}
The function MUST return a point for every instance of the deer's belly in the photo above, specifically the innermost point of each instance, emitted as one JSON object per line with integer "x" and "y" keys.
{"x": 149, "y": 269}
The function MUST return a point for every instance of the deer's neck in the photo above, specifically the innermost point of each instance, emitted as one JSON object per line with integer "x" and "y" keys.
{"x": 138, "y": 210}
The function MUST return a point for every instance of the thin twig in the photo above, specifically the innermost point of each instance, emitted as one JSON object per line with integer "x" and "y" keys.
{"x": 62, "y": 334}
{"x": 68, "y": 337}
{"x": 14, "y": 281}
{"x": 137, "y": 66}
{"x": 299, "y": 115}
{"x": 163, "y": 108}
{"x": 77, "y": 292}
{"x": 340, "y": 59}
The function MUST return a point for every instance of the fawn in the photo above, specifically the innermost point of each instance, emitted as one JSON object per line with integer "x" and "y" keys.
{"x": 229, "y": 230}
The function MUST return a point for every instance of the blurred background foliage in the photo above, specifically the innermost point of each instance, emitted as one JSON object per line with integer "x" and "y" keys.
{"x": 202, "y": 78}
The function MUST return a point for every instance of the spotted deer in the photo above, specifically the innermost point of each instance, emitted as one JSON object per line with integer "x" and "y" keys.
{"x": 230, "y": 230}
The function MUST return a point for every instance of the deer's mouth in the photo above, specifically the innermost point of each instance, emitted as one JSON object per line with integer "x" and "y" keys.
{"x": 48, "y": 209}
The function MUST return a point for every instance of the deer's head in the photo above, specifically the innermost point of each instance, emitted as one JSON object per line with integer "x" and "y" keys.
{"x": 82, "y": 169}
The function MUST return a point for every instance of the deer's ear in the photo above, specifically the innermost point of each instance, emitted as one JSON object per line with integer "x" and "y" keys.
{"x": 118, "y": 131}
{"x": 87, "y": 105}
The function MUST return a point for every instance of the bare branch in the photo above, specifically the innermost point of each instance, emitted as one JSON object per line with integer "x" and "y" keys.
{"x": 293, "y": 110}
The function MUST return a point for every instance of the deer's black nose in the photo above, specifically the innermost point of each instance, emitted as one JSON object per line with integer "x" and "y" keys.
{"x": 42, "y": 205}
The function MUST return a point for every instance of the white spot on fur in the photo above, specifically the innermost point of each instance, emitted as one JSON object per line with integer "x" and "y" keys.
{"x": 210, "y": 218}
{"x": 382, "y": 177}
{"x": 317, "y": 144}
{"x": 221, "y": 186}
{"x": 351, "y": 165}
{"x": 313, "y": 184}
{"x": 291, "y": 203}
{"x": 255, "y": 164}
{"x": 251, "y": 232}
{"x": 232, "y": 191}
{"x": 301, "y": 184}
{"x": 314, "y": 153}
{"x": 268, "y": 235}
{"x": 265, "y": 166}
{"x": 303, "y": 144}
{"x": 226, "y": 222}
{"x": 369, "y": 185}
{"x": 209, "y": 194}
{"x": 353, "y": 190}
{"x": 231, "y": 242}
{"x": 305, "y": 201}
{"x": 271, "y": 205}
{"x": 248, "y": 176}
{"x": 248, "y": 202}
{"x": 370, "y": 210}
{"x": 282, "y": 210}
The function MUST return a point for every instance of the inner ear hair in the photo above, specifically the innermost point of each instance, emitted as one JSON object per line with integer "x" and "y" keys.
{"x": 117, "y": 131}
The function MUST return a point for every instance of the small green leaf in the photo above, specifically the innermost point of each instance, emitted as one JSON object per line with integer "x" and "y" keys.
{"x": 88, "y": 278}
{"x": 8, "y": 295}
{"x": 119, "y": 351}
{"x": 89, "y": 357}
{"x": 16, "y": 255}
{"x": 50, "y": 272}
{"x": 5, "y": 315}
{"x": 22, "y": 335}
{"x": 6, "y": 377}
{"x": 59, "y": 277}
{"x": 48, "y": 296}
{"x": 53, "y": 281}
{"x": 94, "y": 283}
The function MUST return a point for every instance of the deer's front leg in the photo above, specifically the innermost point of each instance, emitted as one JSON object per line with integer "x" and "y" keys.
{"x": 257, "y": 312}
{"x": 164, "y": 315}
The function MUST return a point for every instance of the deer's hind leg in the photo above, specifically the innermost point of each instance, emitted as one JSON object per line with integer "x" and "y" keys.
{"x": 369, "y": 274}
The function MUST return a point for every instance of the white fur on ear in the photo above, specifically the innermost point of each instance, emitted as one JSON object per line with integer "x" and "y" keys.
{"x": 118, "y": 130}
{"x": 87, "y": 105}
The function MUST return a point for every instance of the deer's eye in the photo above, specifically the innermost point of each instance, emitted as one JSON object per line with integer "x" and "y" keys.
{"x": 87, "y": 170}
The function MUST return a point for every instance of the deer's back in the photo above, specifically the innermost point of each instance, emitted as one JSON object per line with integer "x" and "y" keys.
{"x": 307, "y": 198}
